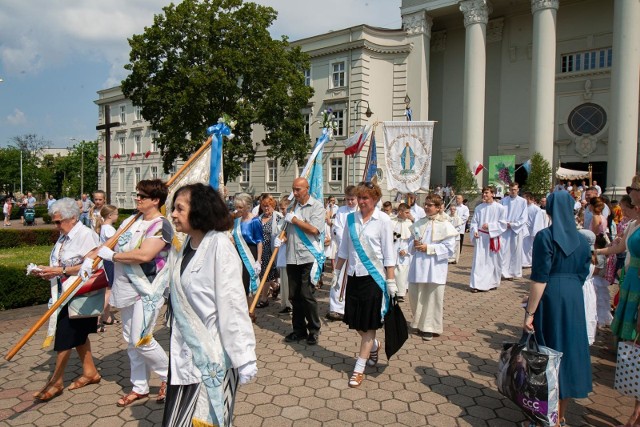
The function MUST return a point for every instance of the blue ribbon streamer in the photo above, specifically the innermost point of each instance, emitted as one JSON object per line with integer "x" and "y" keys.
{"x": 216, "y": 132}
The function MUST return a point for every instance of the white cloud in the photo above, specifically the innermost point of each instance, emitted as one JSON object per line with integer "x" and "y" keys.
{"x": 17, "y": 118}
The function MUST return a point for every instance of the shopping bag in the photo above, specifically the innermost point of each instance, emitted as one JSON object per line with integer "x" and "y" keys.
{"x": 627, "y": 379}
{"x": 90, "y": 304}
{"x": 528, "y": 376}
{"x": 396, "y": 331}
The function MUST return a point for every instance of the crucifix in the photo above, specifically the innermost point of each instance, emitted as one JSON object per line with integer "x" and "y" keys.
{"x": 107, "y": 149}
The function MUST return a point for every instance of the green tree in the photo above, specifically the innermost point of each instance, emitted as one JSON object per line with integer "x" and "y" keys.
{"x": 203, "y": 58}
{"x": 466, "y": 183}
{"x": 539, "y": 179}
{"x": 80, "y": 169}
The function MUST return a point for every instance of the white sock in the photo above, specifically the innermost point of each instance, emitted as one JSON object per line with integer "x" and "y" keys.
{"x": 360, "y": 365}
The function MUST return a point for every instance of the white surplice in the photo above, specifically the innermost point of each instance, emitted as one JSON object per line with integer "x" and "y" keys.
{"x": 486, "y": 264}
{"x": 535, "y": 223}
{"x": 511, "y": 249}
{"x": 401, "y": 239}
{"x": 339, "y": 223}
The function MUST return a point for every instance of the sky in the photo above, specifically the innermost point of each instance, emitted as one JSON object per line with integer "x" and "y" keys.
{"x": 56, "y": 54}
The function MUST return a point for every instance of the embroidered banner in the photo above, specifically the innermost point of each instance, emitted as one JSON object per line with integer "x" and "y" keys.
{"x": 408, "y": 155}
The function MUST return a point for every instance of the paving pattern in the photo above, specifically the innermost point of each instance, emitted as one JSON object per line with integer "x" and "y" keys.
{"x": 449, "y": 381}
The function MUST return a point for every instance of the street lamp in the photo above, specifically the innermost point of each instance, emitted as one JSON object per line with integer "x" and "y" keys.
{"x": 356, "y": 117}
{"x": 81, "y": 167}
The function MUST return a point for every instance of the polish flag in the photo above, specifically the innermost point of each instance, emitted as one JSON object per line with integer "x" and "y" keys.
{"x": 359, "y": 144}
{"x": 132, "y": 155}
{"x": 147, "y": 154}
{"x": 477, "y": 168}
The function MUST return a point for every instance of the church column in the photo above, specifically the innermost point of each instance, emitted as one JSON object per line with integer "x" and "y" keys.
{"x": 625, "y": 86}
{"x": 476, "y": 16}
{"x": 418, "y": 27}
{"x": 543, "y": 78}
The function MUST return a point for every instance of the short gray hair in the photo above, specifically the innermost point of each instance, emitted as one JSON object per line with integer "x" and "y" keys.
{"x": 245, "y": 198}
{"x": 67, "y": 208}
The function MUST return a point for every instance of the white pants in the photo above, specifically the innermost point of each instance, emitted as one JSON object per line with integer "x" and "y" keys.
{"x": 284, "y": 287}
{"x": 427, "y": 304}
{"x": 335, "y": 304}
{"x": 143, "y": 359}
{"x": 402, "y": 278}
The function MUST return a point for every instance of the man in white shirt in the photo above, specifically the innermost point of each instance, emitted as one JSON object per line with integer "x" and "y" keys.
{"x": 588, "y": 213}
{"x": 463, "y": 212}
{"x": 415, "y": 211}
{"x": 336, "y": 306}
{"x": 535, "y": 223}
{"x": 597, "y": 187}
{"x": 516, "y": 230}
{"x": 487, "y": 225}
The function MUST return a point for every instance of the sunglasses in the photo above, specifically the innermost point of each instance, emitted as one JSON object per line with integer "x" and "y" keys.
{"x": 58, "y": 222}
{"x": 142, "y": 196}
{"x": 630, "y": 189}
{"x": 367, "y": 184}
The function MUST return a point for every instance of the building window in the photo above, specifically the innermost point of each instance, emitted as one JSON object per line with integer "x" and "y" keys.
{"x": 138, "y": 142}
{"x": 121, "y": 179}
{"x": 123, "y": 114}
{"x": 301, "y": 167}
{"x": 137, "y": 113}
{"x": 586, "y": 61}
{"x": 154, "y": 172}
{"x": 122, "y": 145}
{"x": 307, "y": 124}
{"x": 339, "y": 118}
{"x": 154, "y": 143}
{"x": 587, "y": 119}
{"x": 336, "y": 169}
{"x": 246, "y": 172}
{"x": 338, "y": 74}
{"x": 307, "y": 77}
{"x": 272, "y": 171}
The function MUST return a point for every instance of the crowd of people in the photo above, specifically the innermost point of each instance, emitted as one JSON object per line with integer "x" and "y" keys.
{"x": 574, "y": 240}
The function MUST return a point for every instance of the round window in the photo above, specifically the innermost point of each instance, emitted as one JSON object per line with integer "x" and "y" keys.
{"x": 587, "y": 119}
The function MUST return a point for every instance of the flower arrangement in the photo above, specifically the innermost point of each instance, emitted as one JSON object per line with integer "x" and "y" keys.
{"x": 329, "y": 120}
{"x": 224, "y": 127}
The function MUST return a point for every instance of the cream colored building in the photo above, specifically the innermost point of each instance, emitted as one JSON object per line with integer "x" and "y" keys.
{"x": 560, "y": 77}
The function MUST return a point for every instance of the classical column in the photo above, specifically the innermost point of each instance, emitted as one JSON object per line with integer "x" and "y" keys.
{"x": 476, "y": 16}
{"x": 418, "y": 27}
{"x": 623, "y": 124}
{"x": 543, "y": 78}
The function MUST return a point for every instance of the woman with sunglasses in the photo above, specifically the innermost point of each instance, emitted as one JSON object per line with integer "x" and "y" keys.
{"x": 139, "y": 256}
{"x": 74, "y": 243}
{"x": 367, "y": 243}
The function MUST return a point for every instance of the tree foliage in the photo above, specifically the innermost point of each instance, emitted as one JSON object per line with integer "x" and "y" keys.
{"x": 466, "y": 183}
{"x": 203, "y": 58}
{"x": 539, "y": 179}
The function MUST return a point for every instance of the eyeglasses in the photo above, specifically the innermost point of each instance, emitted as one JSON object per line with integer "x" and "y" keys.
{"x": 429, "y": 204}
{"x": 58, "y": 221}
{"x": 142, "y": 196}
{"x": 630, "y": 189}
{"x": 367, "y": 184}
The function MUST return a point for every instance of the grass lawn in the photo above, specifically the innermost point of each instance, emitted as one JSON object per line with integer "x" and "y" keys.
{"x": 21, "y": 256}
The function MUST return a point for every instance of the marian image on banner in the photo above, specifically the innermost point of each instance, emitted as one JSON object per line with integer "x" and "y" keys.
{"x": 408, "y": 155}
{"x": 502, "y": 172}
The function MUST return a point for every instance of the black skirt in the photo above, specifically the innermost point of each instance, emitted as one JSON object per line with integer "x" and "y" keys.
{"x": 363, "y": 304}
{"x": 71, "y": 333}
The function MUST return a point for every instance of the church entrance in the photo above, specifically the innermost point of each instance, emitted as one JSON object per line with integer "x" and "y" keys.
{"x": 599, "y": 171}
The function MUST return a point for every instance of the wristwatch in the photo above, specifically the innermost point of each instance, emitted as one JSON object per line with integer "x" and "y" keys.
{"x": 64, "y": 271}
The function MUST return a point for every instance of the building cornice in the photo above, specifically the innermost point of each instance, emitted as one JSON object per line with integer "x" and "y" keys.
{"x": 361, "y": 44}
{"x": 432, "y": 5}
{"x": 475, "y": 11}
{"x": 365, "y": 29}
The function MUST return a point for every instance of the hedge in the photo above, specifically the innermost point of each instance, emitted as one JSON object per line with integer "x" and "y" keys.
{"x": 20, "y": 290}
{"x": 28, "y": 237}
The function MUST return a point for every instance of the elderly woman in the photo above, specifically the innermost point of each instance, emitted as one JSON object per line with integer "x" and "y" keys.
{"x": 210, "y": 325}
{"x": 367, "y": 243}
{"x": 248, "y": 238}
{"x": 140, "y": 255}
{"x": 67, "y": 255}
{"x": 626, "y": 321}
{"x": 270, "y": 220}
{"x": 555, "y": 309}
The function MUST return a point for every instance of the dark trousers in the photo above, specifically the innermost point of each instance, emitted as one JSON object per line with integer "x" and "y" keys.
{"x": 305, "y": 317}
{"x": 461, "y": 241}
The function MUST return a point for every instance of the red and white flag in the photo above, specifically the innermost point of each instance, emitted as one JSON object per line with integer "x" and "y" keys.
{"x": 477, "y": 168}
{"x": 358, "y": 141}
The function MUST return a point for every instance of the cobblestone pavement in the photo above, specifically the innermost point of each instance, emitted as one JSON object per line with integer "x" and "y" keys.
{"x": 449, "y": 381}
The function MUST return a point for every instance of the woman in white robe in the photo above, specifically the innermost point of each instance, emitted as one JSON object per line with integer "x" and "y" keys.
{"x": 212, "y": 339}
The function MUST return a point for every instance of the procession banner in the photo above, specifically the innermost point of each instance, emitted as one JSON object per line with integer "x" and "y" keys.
{"x": 407, "y": 147}
{"x": 502, "y": 170}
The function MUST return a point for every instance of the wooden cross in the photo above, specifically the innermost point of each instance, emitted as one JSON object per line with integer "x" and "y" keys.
{"x": 107, "y": 130}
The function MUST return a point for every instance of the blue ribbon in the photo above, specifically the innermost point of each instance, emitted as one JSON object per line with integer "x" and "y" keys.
{"x": 241, "y": 244}
{"x": 319, "y": 256}
{"x": 368, "y": 264}
{"x": 216, "y": 132}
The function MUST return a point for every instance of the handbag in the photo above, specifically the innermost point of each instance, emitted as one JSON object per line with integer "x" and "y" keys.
{"x": 528, "y": 376}
{"x": 627, "y": 379}
{"x": 396, "y": 331}
{"x": 90, "y": 304}
{"x": 97, "y": 281}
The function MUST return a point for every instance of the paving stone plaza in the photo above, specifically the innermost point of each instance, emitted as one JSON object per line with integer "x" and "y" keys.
{"x": 449, "y": 381}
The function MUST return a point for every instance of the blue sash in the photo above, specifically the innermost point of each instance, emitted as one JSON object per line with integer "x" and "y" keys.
{"x": 245, "y": 255}
{"x": 368, "y": 263}
{"x": 316, "y": 270}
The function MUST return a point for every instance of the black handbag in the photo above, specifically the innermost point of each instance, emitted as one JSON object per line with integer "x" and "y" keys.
{"x": 396, "y": 331}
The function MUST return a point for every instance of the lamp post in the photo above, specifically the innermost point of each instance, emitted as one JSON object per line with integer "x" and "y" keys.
{"x": 81, "y": 166}
{"x": 356, "y": 117}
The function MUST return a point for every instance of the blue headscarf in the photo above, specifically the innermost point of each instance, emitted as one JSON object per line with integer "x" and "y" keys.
{"x": 563, "y": 226}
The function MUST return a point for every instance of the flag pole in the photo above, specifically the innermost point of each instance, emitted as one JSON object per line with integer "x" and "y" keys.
{"x": 110, "y": 244}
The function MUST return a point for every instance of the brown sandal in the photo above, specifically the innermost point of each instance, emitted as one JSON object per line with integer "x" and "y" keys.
{"x": 51, "y": 392}
{"x": 84, "y": 381}
{"x": 162, "y": 393}
{"x": 128, "y": 399}
{"x": 356, "y": 379}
